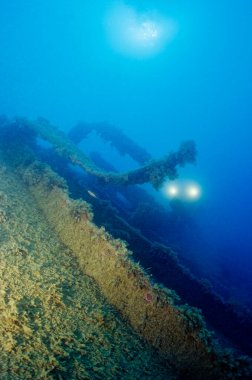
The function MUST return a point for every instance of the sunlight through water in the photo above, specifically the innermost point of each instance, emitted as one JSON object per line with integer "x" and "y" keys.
{"x": 138, "y": 34}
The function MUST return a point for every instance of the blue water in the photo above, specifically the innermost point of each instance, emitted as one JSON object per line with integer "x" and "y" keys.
{"x": 63, "y": 60}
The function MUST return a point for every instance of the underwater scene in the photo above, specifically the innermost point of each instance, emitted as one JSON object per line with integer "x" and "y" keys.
{"x": 125, "y": 190}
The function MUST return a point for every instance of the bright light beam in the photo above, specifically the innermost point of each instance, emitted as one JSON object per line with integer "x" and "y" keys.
{"x": 172, "y": 190}
{"x": 193, "y": 192}
{"x": 183, "y": 190}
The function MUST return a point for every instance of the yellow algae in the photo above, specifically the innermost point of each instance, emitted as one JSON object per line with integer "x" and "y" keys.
{"x": 54, "y": 321}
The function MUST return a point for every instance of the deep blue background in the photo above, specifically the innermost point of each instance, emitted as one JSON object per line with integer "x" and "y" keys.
{"x": 56, "y": 61}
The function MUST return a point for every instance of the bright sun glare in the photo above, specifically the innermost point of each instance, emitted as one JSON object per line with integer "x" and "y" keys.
{"x": 147, "y": 31}
{"x": 138, "y": 34}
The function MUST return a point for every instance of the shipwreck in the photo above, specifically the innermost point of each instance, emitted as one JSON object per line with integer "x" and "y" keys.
{"x": 85, "y": 293}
